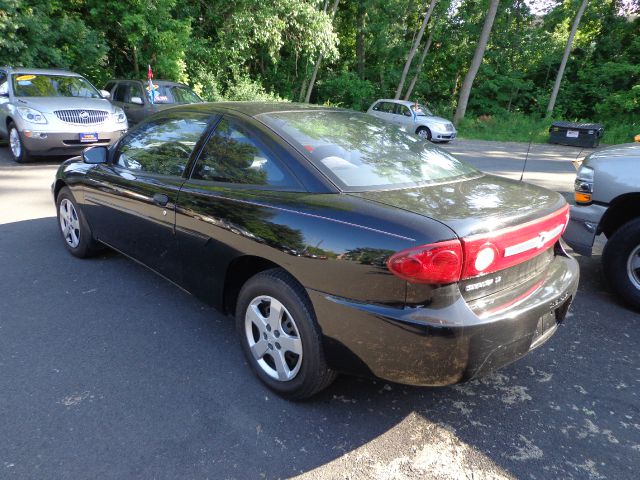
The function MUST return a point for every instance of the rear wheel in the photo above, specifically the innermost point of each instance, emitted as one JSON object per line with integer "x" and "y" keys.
{"x": 280, "y": 336}
{"x": 73, "y": 226}
{"x": 424, "y": 132}
{"x": 18, "y": 152}
{"x": 621, "y": 262}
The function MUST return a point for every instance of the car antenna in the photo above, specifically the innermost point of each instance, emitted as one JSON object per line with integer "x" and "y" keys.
{"x": 524, "y": 166}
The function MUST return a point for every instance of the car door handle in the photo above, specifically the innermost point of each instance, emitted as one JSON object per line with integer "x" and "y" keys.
{"x": 160, "y": 199}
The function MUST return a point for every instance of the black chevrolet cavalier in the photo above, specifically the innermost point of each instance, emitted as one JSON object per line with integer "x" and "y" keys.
{"x": 339, "y": 242}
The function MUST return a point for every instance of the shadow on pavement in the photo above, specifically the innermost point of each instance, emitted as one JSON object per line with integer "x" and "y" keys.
{"x": 108, "y": 371}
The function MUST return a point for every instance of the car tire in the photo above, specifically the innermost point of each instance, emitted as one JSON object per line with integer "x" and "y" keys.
{"x": 74, "y": 228}
{"x": 621, "y": 262}
{"x": 424, "y": 132}
{"x": 280, "y": 335}
{"x": 16, "y": 146}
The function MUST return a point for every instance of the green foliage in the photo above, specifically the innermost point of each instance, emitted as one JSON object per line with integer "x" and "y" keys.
{"x": 347, "y": 90}
{"x": 256, "y": 50}
{"x": 523, "y": 128}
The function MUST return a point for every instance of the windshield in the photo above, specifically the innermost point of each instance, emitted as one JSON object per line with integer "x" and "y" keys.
{"x": 175, "y": 94}
{"x": 421, "y": 110}
{"x": 359, "y": 152}
{"x": 27, "y": 85}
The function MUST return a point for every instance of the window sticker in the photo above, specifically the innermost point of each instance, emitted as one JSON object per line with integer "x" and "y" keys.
{"x": 24, "y": 78}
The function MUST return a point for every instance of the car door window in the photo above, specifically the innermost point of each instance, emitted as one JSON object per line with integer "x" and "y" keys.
{"x": 122, "y": 93}
{"x": 231, "y": 155}
{"x": 162, "y": 146}
{"x": 403, "y": 110}
{"x": 135, "y": 91}
{"x": 4, "y": 84}
{"x": 388, "y": 107}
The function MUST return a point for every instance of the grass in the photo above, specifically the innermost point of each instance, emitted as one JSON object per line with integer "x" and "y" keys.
{"x": 520, "y": 128}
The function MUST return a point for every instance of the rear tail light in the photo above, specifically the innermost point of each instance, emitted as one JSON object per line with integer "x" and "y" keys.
{"x": 454, "y": 260}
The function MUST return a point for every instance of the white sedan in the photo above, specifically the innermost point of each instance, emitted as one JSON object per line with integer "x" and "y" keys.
{"x": 415, "y": 118}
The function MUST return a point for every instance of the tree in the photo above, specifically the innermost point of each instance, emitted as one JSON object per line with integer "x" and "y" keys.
{"x": 565, "y": 58}
{"x": 414, "y": 48}
{"x": 465, "y": 91}
{"x": 312, "y": 82}
{"x": 419, "y": 66}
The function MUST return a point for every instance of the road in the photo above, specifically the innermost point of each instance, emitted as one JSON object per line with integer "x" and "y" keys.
{"x": 108, "y": 371}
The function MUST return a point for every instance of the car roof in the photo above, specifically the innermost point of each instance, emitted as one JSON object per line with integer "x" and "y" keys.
{"x": 254, "y": 109}
{"x": 156, "y": 82}
{"x": 42, "y": 71}
{"x": 401, "y": 102}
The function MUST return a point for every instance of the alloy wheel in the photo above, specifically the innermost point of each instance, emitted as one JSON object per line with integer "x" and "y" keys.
{"x": 69, "y": 223}
{"x": 273, "y": 338}
{"x": 633, "y": 267}
{"x": 15, "y": 143}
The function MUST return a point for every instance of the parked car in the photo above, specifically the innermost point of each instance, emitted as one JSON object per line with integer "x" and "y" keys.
{"x": 415, "y": 118}
{"x": 133, "y": 96}
{"x": 607, "y": 195}
{"x": 54, "y": 112}
{"x": 424, "y": 270}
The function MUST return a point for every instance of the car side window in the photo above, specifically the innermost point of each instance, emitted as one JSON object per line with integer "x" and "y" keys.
{"x": 404, "y": 110}
{"x": 387, "y": 107}
{"x": 4, "y": 84}
{"x": 377, "y": 106}
{"x": 231, "y": 155}
{"x": 135, "y": 91}
{"x": 122, "y": 93}
{"x": 109, "y": 86}
{"x": 162, "y": 146}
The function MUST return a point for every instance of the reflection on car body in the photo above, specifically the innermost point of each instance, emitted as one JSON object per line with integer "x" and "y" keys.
{"x": 339, "y": 242}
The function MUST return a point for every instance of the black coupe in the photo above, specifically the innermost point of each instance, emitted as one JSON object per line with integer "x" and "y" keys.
{"x": 340, "y": 243}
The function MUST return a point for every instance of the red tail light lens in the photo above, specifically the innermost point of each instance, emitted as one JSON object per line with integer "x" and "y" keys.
{"x": 453, "y": 260}
{"x": 435, "y": 263}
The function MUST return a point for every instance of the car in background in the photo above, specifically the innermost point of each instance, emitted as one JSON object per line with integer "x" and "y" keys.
{"x": 607, "y": 201}
{"x": 54, "y": 112}
{"x": 339, "y": 242}
{"x": 133, "y": 96}
{"x": 414, "y": 117}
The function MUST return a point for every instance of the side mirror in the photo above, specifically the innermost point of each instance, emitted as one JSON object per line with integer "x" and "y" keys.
{"x": 94, "y": 155}
{"x": 105, "y": 94}
{"x": 136, "y": 100}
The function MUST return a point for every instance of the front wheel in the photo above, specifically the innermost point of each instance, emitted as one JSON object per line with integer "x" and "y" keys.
{"x": 18, "y": 152}
{"x": 280, "y": 336}
{"x": 75, "y": 230}
{"x": 424, "y": 132}
{"x": 621, "y": 262}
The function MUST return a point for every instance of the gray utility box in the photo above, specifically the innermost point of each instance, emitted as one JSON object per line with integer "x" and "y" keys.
{"x": 576, "y": 134}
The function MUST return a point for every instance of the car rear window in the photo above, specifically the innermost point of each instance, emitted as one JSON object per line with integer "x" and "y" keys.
{"x": 359, "y": 152}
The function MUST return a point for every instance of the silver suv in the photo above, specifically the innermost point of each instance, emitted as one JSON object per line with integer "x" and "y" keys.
{"x": 415, "y": 118}
{"x": 607, "y": 194}
{"x": 54, "y": 112}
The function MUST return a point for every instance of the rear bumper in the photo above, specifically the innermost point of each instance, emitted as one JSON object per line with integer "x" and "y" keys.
{"x": 443, "y": 346}
{"x": 64, "y": 143}
{"x": 583, "y": 227}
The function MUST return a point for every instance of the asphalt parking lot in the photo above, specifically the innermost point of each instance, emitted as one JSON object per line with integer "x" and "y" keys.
{"x": 108, "y": 371}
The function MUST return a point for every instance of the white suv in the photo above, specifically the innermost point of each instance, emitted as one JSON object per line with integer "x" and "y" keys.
{"x": 54, "y": 112}
{"x": 415, "y": 118}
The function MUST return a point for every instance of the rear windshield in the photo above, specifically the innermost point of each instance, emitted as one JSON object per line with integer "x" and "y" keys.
{"x": 27, "y": 85}
{"x": 359, "y": 152}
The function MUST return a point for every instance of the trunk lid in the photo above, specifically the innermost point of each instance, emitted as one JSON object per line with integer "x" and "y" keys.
{"x": 476, "y": 206}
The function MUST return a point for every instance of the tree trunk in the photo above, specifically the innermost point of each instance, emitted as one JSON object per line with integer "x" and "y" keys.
{"x": 565, "y": 58}
{"x": 414, "y": 48}
{"x": 465, "y": 91}
{"x": 360, "y": 38}
{"x": 319, "y": 61}
{"x": 419, "y": 67}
